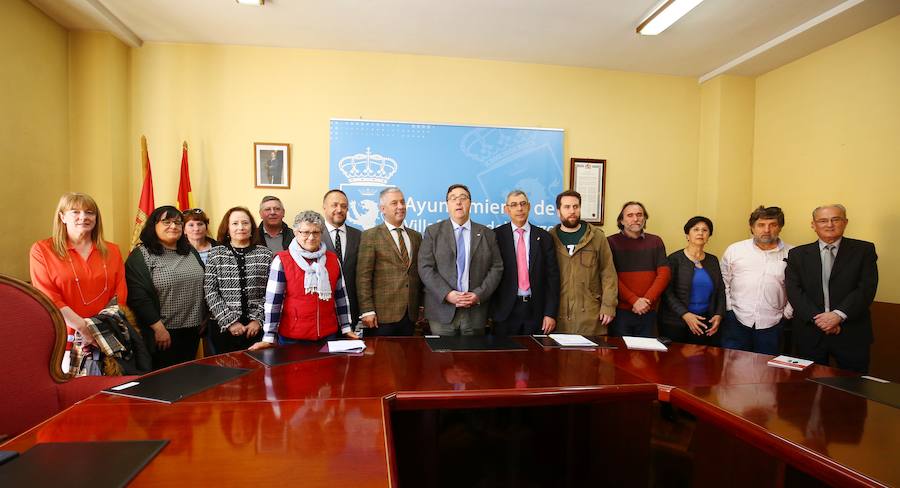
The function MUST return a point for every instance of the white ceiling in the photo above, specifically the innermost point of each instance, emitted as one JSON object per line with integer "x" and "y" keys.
{"x": 747, "y": 37}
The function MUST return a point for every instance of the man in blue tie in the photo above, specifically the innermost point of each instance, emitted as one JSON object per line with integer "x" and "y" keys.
{"x": 460, "y": 266}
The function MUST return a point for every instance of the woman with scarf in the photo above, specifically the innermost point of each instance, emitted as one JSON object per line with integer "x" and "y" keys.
{"x": 76, "y": 268}
{"x": 236, "y": 274}
{"x": 306, "y": 300}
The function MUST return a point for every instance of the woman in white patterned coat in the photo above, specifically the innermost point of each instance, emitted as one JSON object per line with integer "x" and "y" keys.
{"x": 235, "y": 282}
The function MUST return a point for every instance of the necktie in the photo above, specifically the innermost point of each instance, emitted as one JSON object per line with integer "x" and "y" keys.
{"x": 460, "y": 259}
{"x": 827, "y": 263}
{"x": 337, "y": 244}
{"x": 522, "y": 262}
{"x": 404, "y": 255}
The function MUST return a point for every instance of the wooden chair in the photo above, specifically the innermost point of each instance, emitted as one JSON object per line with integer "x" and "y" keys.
{"x": 32, "y": 344}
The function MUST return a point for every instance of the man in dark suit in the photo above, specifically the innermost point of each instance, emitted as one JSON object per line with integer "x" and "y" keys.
{"x": 460, "y": 266}
{"x": 833, "y": 321}
{"x": 527, "y": 300}
{"x": 387, "y": 277}
{"x": 343, "y": 240}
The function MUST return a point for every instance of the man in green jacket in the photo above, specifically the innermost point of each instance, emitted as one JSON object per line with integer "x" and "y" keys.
{"x": 588, "y": 280}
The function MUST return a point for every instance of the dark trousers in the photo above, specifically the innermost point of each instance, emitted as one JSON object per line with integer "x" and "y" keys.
{"x": 522, "y": 320}
{"x": 628, "y": 323}
{"x": 287, "y": 341}
{"x": 682, "y": 333}
{"x": 402, "y": 327}
{"x": 225, "y": 342}
{"x": 736, "y": 335}
{"x": 183, "y": 348}
{"x": 825, "y": 348}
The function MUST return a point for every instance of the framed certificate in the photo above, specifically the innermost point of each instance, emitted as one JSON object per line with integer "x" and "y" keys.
{"x": 588, "y": 177}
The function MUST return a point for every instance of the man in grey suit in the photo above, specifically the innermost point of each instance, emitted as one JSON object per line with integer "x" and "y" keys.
{"x": 460, "y": 266}
{"x": 343, "y": 240}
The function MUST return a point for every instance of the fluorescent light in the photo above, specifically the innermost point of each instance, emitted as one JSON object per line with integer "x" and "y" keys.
{"x": 667, "y": 14}
{"x": 255, "y": 3}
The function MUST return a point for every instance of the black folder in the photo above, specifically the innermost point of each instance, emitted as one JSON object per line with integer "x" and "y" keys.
{"x": 276, "y": 356}
{"x": 887, "y": 393}
{"x": 546, "y": 341}
{"x": 473, "y": 343}
{"x": 80, "y": 464}
{"x": 178, "y": 383}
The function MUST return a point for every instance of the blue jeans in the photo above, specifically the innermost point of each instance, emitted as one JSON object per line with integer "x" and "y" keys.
{"x": 287, "y": 341}
{"x": 736, "y": 335}
{"x": 628, "y": 323}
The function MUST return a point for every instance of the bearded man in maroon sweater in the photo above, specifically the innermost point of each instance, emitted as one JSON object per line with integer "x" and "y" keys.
{"x": 640, "y": 260}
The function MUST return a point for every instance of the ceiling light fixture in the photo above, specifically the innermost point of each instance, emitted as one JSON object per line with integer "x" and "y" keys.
{"x": 665, "y": 15}
{"x": 255, "y": 3}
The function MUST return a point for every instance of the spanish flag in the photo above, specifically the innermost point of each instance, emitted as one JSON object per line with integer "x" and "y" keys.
{"x": 146, "y": 203}
{"x": 185, "y": 197}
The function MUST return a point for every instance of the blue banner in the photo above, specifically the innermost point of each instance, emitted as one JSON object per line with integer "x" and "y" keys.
{"x": 424, "y": 159}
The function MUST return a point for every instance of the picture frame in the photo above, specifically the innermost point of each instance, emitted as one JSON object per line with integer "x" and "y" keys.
{"x": 588, "y": 177}
{"x": 271, "y": 165}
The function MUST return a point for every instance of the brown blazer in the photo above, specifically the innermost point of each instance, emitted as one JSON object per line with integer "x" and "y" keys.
{"x": 383, "y": 284}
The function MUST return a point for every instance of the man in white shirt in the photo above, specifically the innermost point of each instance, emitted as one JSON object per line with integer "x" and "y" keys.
{"x": 753, "y": 271}
{"x": 343, "y": 240}
{"x": 387, "y": 273}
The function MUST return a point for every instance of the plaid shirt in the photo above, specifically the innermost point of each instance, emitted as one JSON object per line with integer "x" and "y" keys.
{"x": 275, "y": 300}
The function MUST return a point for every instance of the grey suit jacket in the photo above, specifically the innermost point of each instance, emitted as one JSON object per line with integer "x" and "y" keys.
{"x": 348, "y": 265}
{"x": 437, "y": 269}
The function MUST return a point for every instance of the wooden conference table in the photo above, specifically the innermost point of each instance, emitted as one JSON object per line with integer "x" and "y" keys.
{"x": 402, "y": 415}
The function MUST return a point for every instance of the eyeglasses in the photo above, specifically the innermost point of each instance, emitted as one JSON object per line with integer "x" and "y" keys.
{"x": 192, "y": 211}
{"x": 306, "y": 234}
{"x": 833, "y": 221}
{"x": 517, "y": 204}
{"x": 171, "y": 223}
{"x": 461, "y": 198}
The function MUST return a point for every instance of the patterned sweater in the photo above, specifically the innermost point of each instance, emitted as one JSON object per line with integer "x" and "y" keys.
{"x": 224, "y": 293}
{"x": 642, "y": 268}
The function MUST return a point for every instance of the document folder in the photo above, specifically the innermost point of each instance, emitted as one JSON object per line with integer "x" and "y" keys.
{"x": 178, "y": 383}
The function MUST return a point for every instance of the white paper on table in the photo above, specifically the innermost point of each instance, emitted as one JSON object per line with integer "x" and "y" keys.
{"x": 353, "y": 345}
{"x": 644, "y": 343}
{"x": 572, "y": 340}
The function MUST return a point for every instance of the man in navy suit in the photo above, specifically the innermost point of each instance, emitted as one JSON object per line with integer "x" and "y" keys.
{"x": 527, "y": 299}
{"x": 833, "y": 321}
{"x": 342, "y": 240}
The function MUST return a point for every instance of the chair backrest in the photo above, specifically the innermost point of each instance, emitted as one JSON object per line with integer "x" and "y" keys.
{"x": 32, "y": 344}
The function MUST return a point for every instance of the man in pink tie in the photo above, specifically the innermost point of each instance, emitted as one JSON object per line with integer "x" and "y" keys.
{"x": 527, "y": 299}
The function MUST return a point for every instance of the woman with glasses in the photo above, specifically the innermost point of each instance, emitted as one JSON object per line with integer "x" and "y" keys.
{"x": 694, "y": 302}
{"x": 235, "y": 283}
{"x": 165, "y": 288}
{"x": 306, "y": 301}
{"x": 76, "y": 268}
{"x": 196, "y": 228}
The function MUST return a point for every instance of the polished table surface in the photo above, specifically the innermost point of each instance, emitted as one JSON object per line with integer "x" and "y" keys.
{"x": 327, "y": 421}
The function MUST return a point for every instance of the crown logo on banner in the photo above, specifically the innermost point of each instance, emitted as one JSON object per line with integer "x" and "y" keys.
{"x": 367, "y": 168}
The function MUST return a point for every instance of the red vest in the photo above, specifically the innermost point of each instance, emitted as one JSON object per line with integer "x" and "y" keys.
{"x": 303, "y": 315}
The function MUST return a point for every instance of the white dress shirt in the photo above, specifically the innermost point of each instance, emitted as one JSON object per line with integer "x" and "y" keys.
{"x": 393, "y": 235}
{"x": 331, "y": 233}
{"x": 754, "y": 283}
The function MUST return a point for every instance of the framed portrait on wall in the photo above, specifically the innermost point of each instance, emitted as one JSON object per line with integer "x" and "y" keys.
{"x": 588, "y": 177}
{"x": 272, "y": 165}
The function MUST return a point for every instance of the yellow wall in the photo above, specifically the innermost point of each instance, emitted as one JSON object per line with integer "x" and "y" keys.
{"x": 34, "y": 141}
{"x": 726, "y": 157}
{"x": 98, "y": 127}
{"x": 222, "y": 99}
{"x": 828, "y": 130}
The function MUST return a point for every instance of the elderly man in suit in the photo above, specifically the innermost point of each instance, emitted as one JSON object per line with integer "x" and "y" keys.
{"x": 460, "y": 266}
{"x": 342, "y": 240}
{"x": 387, "y": 277}
{"x": 527, "y": 300}
{"x": 831, "y": 283}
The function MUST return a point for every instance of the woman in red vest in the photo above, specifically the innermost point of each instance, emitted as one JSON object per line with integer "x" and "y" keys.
{"x": 306, "y": 300}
